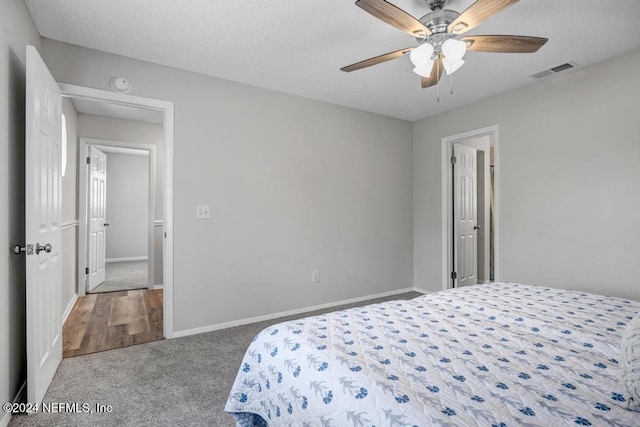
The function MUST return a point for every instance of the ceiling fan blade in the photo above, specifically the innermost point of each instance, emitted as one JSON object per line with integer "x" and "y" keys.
{"x": 504, "y": 44}
{"x": 476, "y": 14}
{"x": 436, "y": 72}
{"x": 394, "y": 16}
{"x": 377, "y": 60}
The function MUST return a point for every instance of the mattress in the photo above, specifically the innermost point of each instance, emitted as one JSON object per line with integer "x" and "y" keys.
{"x": 502, "y": 354}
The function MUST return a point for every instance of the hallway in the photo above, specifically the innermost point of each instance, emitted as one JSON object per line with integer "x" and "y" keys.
{"x": 112, "y": 320}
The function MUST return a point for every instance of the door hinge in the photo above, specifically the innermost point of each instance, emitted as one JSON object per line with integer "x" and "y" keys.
{"x": 27, "y": 249}
{"x": 86, "y": 270}
{"x": 165, "y": 234}
{"x": 454, "y": 275}
{"x": 453, "y": 160}
{"x": 88, "y": 160}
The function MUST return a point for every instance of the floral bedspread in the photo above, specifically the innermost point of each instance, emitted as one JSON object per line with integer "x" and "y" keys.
{"x": 502, "y": 354}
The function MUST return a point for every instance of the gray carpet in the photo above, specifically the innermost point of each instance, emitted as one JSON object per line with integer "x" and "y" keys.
{"x": 123, "y": 276}
{"x": 178, "y": 382}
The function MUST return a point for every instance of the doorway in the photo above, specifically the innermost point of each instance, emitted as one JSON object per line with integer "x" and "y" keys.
{"x": 118, "y": 224}
{"x": 123, "y": 243}
{"x": 163, "y": 231}
{"x": 117, "y": 247}
{"x": 481, "y": 146}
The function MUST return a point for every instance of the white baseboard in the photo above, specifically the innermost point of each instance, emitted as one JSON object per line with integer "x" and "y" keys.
{"x": 19, "y": 397}
{"x": 240, "y": 322}
{"x": 160, "y": 286}
{"x": 67, "y": 311}
{"x": 133, "y": 258}
{"x": 422, "y": 291}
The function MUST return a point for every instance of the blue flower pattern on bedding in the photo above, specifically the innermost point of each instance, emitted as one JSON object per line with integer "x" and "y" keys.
{"x": 494, "y": 355}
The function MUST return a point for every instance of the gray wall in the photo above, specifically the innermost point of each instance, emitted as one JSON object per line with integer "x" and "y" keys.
{"x": 127, "y": 205}
{"x": 17, "y": 31}
{"x": 568, "y": 161}
{"x": 70, "y": 208}
{"x": 119, "y": 130}
{"x": 294, "y": 185}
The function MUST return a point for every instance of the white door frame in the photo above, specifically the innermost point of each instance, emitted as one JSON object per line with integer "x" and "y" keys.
{"x": 83, "y": 206}
{"x": 166, "y": 107}
{"x": 446, "y": 192}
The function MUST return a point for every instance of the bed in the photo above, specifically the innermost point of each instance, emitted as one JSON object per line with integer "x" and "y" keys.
{"x": 502, "y": 354}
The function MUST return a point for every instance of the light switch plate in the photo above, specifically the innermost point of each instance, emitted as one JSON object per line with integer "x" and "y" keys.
{"x": 203, "y": 212}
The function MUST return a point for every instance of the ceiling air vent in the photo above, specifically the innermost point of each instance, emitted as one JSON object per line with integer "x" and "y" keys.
{"x": 563, "y": 68}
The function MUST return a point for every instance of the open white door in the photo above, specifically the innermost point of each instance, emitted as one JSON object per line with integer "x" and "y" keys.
{"x": 43, "y": 227}
{"x": 465, "y": 210}
{"x": 97, "y": 217}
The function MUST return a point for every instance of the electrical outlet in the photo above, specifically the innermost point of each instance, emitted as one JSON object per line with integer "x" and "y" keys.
{"x": 315, "y": 276}
{"x": 203, "y": 212}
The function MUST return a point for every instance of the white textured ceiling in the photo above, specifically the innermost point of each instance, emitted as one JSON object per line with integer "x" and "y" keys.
{"x": 298, "y": 46}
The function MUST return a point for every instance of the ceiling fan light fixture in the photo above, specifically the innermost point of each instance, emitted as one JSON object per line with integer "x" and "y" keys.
{"x": 438, "y": 34}
{"x": 421, "y": 56}
{"x": 424, "y": 70}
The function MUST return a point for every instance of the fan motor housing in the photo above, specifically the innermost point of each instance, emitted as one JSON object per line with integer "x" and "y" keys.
{"x": 438, "y": 20}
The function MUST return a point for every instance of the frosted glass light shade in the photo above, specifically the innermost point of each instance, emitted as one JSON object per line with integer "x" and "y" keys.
{"x": 421, "y": 56}
{"x": 454, "y": 49}
{"x": 424, "y": 70}
{"x": 451, "y": 65}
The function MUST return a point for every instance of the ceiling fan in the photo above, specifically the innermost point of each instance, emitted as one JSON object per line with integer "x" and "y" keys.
{"x": 440, "y": 46}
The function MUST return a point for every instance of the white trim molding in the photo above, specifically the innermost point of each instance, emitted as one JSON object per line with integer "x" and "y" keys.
{"x": 67, "y": 311}
{"x": 19, "y": 397}
{"x": 128, "y": 259}
{"x": 255, "y": 319}
{"x": 70, "y": 224}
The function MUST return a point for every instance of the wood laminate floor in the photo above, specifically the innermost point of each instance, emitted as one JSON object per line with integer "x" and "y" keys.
{"x": 111, "y": 320}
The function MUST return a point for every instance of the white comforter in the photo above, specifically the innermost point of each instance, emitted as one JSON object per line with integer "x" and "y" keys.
{"x": 491, "y": 355}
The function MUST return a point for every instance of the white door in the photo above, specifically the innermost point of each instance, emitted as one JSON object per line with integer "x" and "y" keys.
{"x": 97, "y": 217}
{"x": 465, "y": 221}
{"x": 43, "y": 229}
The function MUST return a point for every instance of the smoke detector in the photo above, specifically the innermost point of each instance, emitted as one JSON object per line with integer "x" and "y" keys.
{"x": 120, "y": 84}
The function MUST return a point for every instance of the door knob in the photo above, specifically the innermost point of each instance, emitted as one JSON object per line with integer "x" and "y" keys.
{"x": 106, "y": 224}
{"x": 46, "y": 248}
{"x": 477, "y": 227}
